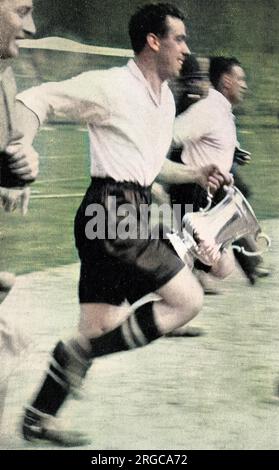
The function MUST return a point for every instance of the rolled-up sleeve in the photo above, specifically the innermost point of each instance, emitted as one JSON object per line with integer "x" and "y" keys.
{"x": 81, "y": 98}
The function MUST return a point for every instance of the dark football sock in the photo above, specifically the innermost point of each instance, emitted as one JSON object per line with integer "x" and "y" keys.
{"x": 67, "y": 368}
{"x": 137, "y": 331}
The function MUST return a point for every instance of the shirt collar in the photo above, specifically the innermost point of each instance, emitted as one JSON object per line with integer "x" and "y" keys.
{"x": 135, "y": 70}
{"x": 217, "y": 96}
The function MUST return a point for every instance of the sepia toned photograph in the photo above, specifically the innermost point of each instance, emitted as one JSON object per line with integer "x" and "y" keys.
{"x": 139, "y": 202}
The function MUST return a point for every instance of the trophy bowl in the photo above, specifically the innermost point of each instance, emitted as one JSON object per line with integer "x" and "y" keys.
{"x": 230, "y": 220}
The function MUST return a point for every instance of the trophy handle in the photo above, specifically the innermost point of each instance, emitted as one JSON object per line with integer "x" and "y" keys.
{"x": 209, "y": 202}
{"x": 210, "y": 197}
{"x": 240, "y": 249}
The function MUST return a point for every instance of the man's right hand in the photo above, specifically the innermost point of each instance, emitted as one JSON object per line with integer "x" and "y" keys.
{"x": 212, "y": 178}
{"x": 23, "y": 161}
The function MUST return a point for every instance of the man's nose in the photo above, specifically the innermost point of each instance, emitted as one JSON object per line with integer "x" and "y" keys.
{"x": 29, "y": 25}
{"x": 186, "y": 49}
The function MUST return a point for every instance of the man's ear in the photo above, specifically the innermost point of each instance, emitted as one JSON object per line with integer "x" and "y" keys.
{"x": 226, "y": 81}
{"x": 153, "y": 42}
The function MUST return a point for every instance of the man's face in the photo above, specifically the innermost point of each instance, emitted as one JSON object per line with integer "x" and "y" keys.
{"x": 15, "y": 20}
{"x": 173, "y": 48}
{"x": 237, "y": 84}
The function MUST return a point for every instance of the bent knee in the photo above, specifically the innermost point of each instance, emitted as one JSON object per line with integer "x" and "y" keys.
{"x": 196, "y": 298}
{"x": 191, "y": 303}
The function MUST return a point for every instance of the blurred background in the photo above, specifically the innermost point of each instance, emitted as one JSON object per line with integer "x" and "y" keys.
{"x": 214, "y": 25}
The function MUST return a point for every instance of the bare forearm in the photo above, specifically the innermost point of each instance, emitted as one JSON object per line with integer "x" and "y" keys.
{"x": 208, "y": 176}
{"x": 23, "y": 161}
{"x": 27, "y": 123}
{"x": 177, "y": 173}
{"x": 160, "y": 194}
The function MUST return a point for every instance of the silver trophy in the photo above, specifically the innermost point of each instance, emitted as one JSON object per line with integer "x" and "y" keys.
{"x": 230, "y": 220}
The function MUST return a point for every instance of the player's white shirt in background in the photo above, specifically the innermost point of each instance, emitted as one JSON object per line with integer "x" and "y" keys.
{"x": 207, "y": 132}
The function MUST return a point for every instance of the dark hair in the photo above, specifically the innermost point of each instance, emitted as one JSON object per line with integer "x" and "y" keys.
{"x": 194, "y": 67}
{"x": 219, "y": 66}
{"x": 188, "y": 88}
{"x": 151, "y": 18}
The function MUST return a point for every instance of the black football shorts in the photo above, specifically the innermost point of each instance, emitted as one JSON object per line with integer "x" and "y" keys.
{"x": 114, "y": 268}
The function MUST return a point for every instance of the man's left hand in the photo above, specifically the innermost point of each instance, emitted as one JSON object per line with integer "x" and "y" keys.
{"x": 212, "y": 178}
{"x": 208, "y": 252}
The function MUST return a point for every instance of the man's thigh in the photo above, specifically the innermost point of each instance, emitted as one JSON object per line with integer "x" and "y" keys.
{"x": 106, "y": 283}
{"x": 182, "y": 289}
